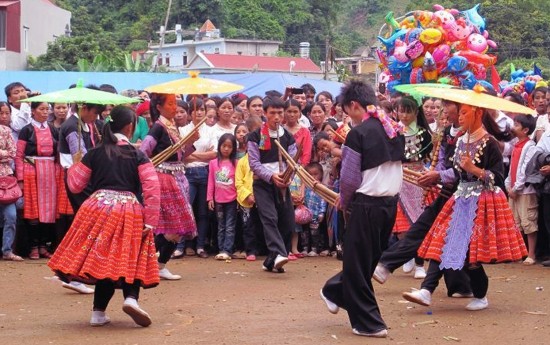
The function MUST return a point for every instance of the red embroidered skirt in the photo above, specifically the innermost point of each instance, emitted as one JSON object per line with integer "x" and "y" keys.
{"x": 105, "y": 242}
{"x": 40, "y": 191}
{"x": 63, "y": 205}
{"x": 176, "y": 213}
{"x": 495, "y": 237}
{"x": 402, "y": 223}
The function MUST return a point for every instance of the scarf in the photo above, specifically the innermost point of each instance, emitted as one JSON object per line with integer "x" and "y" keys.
{"x": 391, "y": 127}
{"x": 265, "y": 141}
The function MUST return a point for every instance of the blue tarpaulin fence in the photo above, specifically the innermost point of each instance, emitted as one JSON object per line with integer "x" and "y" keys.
{"x": 254, "y": 83}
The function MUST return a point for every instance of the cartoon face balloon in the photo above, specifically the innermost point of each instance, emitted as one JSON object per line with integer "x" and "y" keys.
{"x": 444, "y": 18}
{"x": 477, "y": 43}
{"x": 430, "y": 36}
{"x": 459, "y": 30}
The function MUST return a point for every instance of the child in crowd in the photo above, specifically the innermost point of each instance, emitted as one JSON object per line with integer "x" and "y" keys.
{"x": 222, "y": 194}
{"x": 245, "y": 197}
{"x": 240, "y": 134}
{"x": 523, "y": 199}
{"x": 297, "y": 193}
{"x": 318, "y": 207}
{"x": 238, "y": 116}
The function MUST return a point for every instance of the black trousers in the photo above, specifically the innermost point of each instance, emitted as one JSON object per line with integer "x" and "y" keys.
{"x": 367, "y": 233}
{"x": 478, "y": 279}
{"x": 165, "y": 248}
{"x": 105, "y": 289}
{"x": 276, "y": 216}
{"x": 406, "y": 248}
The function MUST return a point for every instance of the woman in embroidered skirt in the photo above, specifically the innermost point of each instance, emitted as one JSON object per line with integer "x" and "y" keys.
{"x": 418, "y": 147}
{"x": 176, "y": 215}
{"x": 476, "y": 225}
{"x": 110, "y": 243}
{"x": 35, "y": 170}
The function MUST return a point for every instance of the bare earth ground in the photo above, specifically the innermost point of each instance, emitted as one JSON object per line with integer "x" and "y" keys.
{"x": 237, "y": 303}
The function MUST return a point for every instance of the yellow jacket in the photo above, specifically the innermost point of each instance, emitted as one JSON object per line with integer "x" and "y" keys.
{"x": 243, "y": 181}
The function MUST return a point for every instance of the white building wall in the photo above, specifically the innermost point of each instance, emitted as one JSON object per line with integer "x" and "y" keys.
{"x": 11, "y": 61}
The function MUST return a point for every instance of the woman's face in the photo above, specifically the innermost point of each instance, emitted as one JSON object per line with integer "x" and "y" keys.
{"x": 181, "y": 117}
{"x": 317, "y": 116}
{"x": 169, "y": 107}
{"x": 326, "y": 102}
{"x": 198, "y": 114}
{"x": 428, "y": 108}
{"x": 225, "y": 111}
{"x": 5, "y": 115}
{"x": 292, "y": 115}
{"x": 60, "y": 110}
{"x": 242, "y": 105}
{"x": 256, "y": 107}
{"x": 539, "y": 101}
{"x": 211, "y": 117}
{"x": 406, "y": 117}
{"x": 40, "y": 114}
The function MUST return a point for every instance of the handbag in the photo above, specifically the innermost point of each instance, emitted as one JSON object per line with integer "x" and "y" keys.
{"x": 302, "y": 215}
{"x": 9, "y": 190}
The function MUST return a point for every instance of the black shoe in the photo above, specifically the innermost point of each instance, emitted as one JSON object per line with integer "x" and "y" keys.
{"x": 546, "y": 263}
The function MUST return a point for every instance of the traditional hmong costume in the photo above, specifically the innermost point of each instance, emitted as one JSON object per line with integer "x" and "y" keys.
{"x": 418, "y": 147}
{"x": 63, "y": 204}
{"x": 370, "y": 180}
{"x": 176, "y": 213}
{"x": 476, "y": 225}
{"x": 106, "y": 241}
{"x": 35, "y": 167}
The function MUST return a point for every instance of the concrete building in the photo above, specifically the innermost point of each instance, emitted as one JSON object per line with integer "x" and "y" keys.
{"x": 177, "y": 55}
{"x": 26, "y": 27}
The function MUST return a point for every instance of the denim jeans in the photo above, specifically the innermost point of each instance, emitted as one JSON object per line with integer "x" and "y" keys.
{"x": 9, "y": 216}
{"x": 198, "y": 181}
{"x": 226, "y": 213}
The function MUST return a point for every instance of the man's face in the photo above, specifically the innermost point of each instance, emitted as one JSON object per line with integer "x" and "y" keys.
{"x": 274, "y": 117}
{"x": 450, "y": 110}
{"x": 310, "y": 96}
{"x": 17, "y": 93}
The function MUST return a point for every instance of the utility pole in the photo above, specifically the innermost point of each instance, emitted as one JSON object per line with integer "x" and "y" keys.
{"x": 162, "y": 34}
{"x": 327, "y": 50}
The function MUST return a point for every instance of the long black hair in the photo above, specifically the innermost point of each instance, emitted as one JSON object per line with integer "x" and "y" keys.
{"x": 233, "y": 154}
{"x": 120, "y": 117}
{"x": 156, "y": 99}
{"x": 409, "y": 105}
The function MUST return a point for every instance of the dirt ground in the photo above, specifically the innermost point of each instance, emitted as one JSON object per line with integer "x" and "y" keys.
{"x": 237, "y": 303}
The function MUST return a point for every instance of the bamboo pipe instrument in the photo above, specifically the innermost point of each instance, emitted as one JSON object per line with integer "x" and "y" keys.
{"x": 337, "y": 135}
{"x": 281, "y": 169}
{"x": 289, "y": 170}
{"x": 412, "y": 176}
{"x": 172, "y": 149}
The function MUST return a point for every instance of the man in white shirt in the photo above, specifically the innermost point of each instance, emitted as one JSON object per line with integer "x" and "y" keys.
{"x": 20, "y": 112}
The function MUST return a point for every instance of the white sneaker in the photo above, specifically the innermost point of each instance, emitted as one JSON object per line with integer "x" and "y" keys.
{"x": 312, "y": 254}
{"x": 381, "y": 274}
{"x": 280, "y": 261}
{"x": 99, "y": 319}
{"x": 140, "y": 316}
{"x": 331, "y": 306}
{"x": 478, "y": 304}
{"x": 462, "y": 295}
{"x": 419, "y": 272}
{"x": 380, "y": 334}
{"x": 422, "y": 297}
{"x": 165, "y": 274}
{"x": 78, "y": 287}
{"x": 409, "y": 266}
{"x": 177, "y": 254}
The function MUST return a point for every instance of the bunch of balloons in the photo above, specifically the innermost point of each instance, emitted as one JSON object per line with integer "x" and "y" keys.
{"x": 444, "y": 46}
{"x": 522, "y": 82}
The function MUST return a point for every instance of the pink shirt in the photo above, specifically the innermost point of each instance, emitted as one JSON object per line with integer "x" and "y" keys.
{"x": 221, "y": 181}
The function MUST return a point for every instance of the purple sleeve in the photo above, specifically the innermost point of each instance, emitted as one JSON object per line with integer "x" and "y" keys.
{"x": 255, "y": 164}
{"x": 72, "y": 140}
{"x": 446, "y": 175}
{"x": 350, "y": 175}
{"x": 148, "y": 145}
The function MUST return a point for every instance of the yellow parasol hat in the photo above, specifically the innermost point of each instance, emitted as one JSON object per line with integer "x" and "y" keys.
{"x": 194, "y": 85}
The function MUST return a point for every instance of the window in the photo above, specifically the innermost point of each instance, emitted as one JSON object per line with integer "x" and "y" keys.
{"x": 185, "y": 58}
{"x": 26, "y": 38}
{"x": 3, "y": 25}
{"x": 167, "y": 59}
{"x": 216, "y": 50}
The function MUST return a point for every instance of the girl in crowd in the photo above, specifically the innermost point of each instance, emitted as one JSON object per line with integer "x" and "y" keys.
{"x": 225, "y": 113}
{"x": 476, "y": 225}
{"x": 431, "y": 107}
{"x": 240, "y": 135}
{"x": 35, "y": 167}
{"x": 238, "y": 116}
{"x": 8, "y": 212}
{"x": 241, "y": 131}
{"x": 325, "y": 98}
{"x": 144, "y": 112}
{"x": 181, "y": 114}
{"x": 176, "y": 215}
{"x": 418, "y": 147}
{"x": 255, "y": 104}
{"x": 301, "y": 134}
{"x": 222, "y": 194}
{"x": 110, "y": 243}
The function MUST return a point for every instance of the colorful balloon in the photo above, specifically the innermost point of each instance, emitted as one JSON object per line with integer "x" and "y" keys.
{"x": 459, "y": 30}
{"x": 441, "y": 54}
{"x": 477, "y": 43}
{"x": 429, "y": 68}
{"x": 414, "y": 50}
{"x": 456, "y": 64}
{"x": 400, "y": 51}
{"x": 430, "y": 36}
{"x": 423, "y": 17}
{"x": 475, "y": 57}
{"x": 417, "y": 76}
{"x": 474, "y": 18}
{"x": 444, "y": 19}
{"x": 389, "y": 42}
{"x": 467, "y": 79}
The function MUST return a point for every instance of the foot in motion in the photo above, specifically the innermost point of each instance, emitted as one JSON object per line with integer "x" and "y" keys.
{"x": 419, "y": 272}
{"x": 380, "y": 334}
{"x": 422, "y": 297}
{"x": 78, "y": 287}
{"x": 381, "y": 274}
{"x": 331, "y": 306}
{"x": 478, "y": 304}
{"x": 99, "y": 318}
{"x": 165, "y": 274}
{"x": 409, "y": 266}
{"x": 140, "y": 316}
